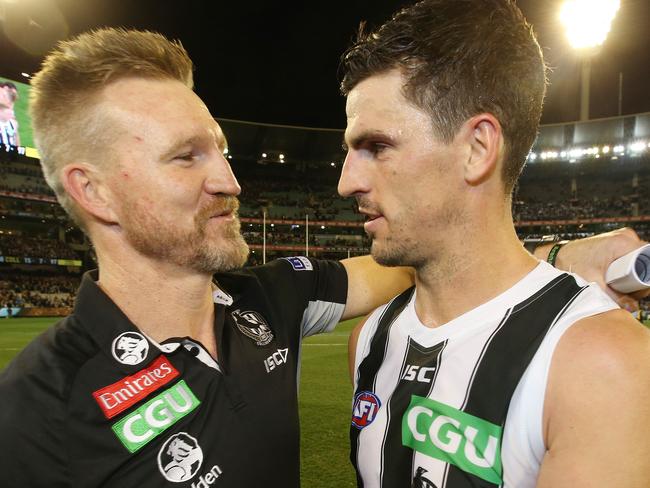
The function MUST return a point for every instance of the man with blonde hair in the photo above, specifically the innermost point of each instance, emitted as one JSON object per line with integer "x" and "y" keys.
{"x": 175, "y": 365}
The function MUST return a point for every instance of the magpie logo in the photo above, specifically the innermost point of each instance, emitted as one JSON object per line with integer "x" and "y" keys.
{"x": 253, "y": 326}
{"x": 130, "y": 348}
{"x": 180, "y": 458}
{"x": 420, "y": 481}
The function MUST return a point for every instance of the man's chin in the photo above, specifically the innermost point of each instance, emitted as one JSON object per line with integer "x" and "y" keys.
{"x": 384, "y": 256}
{"x": 227, "y": 257}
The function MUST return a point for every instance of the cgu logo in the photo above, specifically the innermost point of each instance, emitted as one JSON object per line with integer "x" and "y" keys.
{"x": 154, "y": 417}
{"x": 453, "y": 436}
{"x": 366, "y": 406}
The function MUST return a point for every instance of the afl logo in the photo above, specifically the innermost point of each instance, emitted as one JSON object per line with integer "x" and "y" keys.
{"x": 253, "y": 326}
{"x": 130, "y": 348}
{"x": 180, "y": 458}
{"x": 366, "y": 406}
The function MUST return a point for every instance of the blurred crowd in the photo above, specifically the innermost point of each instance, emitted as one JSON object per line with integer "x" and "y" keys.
{"x": 21, "y": 246}
{"x": 25, "y": 290}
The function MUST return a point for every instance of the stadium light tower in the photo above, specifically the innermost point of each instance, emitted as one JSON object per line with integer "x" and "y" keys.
{"x": 587, "y": 24}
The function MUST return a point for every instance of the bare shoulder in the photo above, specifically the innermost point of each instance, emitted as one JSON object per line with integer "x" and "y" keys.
{"x": 610, "y": 343}
{"x": 598, "y": 400}
{"x": 609, "y": 351}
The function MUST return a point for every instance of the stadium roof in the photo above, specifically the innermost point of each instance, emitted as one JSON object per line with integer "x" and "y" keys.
{"x": 276, "y": 62}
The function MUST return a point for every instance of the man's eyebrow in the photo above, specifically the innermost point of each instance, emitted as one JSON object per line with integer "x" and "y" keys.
{"x": 362, "y": 137}
{"x": 177, "y": 147}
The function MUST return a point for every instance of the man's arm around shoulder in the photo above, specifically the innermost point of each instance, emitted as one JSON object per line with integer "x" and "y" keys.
{"x": 597, "y": 406}
{"x": 371, "y": 285}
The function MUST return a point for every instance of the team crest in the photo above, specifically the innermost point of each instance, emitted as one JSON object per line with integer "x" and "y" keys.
{"x": 180, "y": 458}
{"x": 253, "y": 326}
{"x": 130, "y": 348}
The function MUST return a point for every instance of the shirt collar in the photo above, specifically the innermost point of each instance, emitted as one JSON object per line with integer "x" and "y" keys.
{"x": 119, "y": 339}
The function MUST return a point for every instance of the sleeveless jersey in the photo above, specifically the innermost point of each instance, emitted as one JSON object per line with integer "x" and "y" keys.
{"x": 460, "y": 405}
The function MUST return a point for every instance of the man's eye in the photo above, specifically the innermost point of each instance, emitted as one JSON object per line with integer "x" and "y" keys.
{"x": 186, "y": 156}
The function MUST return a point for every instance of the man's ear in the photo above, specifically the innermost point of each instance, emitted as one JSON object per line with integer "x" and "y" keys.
{"x": 485, "y": 140}
{"x": 85, "y": 185}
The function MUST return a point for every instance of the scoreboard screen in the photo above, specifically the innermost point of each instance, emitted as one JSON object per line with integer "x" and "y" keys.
{"x": 15, "y": 124}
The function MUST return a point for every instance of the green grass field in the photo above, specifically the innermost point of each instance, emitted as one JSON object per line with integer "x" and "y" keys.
{"x": 325, "y": 393}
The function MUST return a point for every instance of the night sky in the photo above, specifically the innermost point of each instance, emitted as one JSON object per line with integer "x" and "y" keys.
{"x": 276, "y": 62}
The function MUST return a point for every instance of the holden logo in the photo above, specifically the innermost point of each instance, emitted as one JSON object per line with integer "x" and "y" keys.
{"x": 130, "y": 348}
{"x": 253, "y": 326}
{"x": 180, "y": 458}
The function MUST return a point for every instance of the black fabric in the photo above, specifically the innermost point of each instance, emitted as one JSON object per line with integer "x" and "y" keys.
{"x": 56, "y": 435}
{"x": 398, "y": 459}
{"x": 371, "y": 363}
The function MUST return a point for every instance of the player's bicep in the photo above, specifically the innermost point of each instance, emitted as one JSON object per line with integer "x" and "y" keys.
{"x": 352, "y": 347}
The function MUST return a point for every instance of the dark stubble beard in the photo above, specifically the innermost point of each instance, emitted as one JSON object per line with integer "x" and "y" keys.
{"x": 193, "y": 249}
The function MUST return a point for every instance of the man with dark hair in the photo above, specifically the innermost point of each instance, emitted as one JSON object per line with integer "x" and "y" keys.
{"x": 495, "y": 369}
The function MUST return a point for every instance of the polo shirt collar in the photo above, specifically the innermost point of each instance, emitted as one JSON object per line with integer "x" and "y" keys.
{"x": 126, "y": 347}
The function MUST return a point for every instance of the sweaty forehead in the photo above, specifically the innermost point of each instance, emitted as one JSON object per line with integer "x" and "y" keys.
{"x": 377, "y": 103}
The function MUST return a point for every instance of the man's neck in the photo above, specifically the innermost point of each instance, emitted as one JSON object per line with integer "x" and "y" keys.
{"x": 464, "y": 276}
{"x": 162, "y": 300}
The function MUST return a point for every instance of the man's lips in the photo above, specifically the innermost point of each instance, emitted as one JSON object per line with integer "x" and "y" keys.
{"x": 224, "y": 213}
{"x": 373, "y": 220}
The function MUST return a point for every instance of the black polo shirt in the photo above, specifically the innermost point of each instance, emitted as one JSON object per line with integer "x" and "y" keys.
{"x": 94, "y": 402}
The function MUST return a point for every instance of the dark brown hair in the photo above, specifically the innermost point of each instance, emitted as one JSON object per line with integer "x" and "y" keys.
{"x": 461, "y": 58}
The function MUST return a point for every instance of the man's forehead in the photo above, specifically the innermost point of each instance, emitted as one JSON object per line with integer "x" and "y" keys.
{"x": 377, "y": 105}
{"x": 166, "y": 105}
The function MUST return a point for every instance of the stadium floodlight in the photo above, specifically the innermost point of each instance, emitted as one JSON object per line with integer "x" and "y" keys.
{"x": 638, "y": 147}
{"x": 588, "y": 22}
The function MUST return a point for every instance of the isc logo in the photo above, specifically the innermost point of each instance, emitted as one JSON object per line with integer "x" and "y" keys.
{"x": 366, "y": 406}
{"x": 278, "y": 358}
{"x": 418, "y": 373}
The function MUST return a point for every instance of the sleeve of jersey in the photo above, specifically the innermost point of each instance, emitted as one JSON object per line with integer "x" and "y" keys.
{"x": 319, "y": 287}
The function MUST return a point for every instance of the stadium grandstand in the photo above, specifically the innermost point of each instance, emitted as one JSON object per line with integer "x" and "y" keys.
{"x": 581, "y": 178}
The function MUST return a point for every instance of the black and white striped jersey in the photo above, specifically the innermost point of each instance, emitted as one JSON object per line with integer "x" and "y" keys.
{"x": 460, "y": 405}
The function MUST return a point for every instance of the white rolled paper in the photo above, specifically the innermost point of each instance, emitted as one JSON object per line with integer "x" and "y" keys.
{"x": 631, "y": 272}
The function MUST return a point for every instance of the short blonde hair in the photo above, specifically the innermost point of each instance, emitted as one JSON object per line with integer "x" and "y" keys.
{"x": 72, "y": 76}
